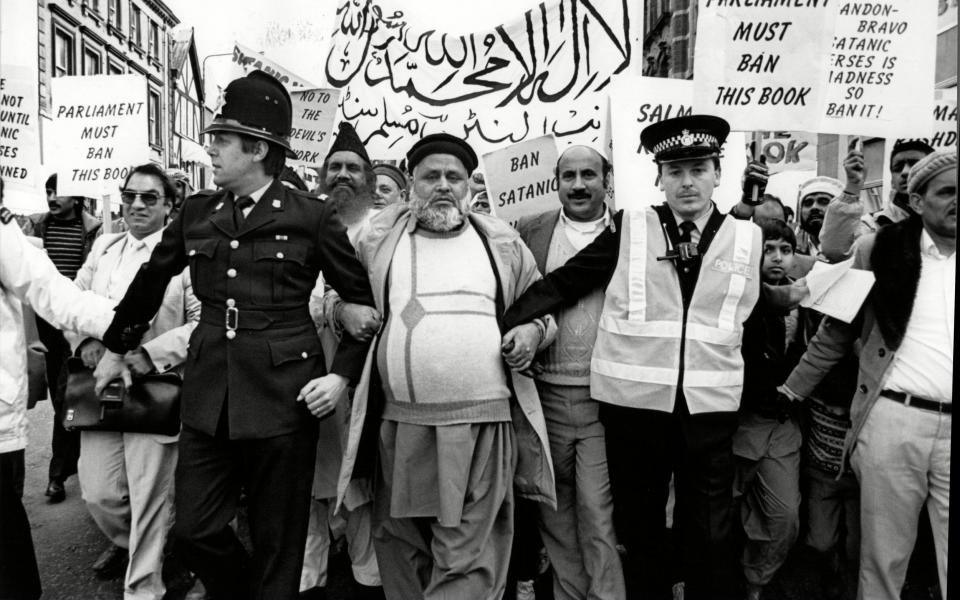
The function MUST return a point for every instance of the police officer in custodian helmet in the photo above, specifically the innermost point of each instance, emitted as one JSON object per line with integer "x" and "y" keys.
{"x": 254, "y": 383}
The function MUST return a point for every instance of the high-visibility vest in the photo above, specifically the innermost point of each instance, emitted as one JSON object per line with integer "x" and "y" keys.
{"x": 636, "y": 358}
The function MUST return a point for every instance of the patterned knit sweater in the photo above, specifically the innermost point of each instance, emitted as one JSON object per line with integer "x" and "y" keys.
{"x": 567, "y": 360}
{"x": 439, "y": 358}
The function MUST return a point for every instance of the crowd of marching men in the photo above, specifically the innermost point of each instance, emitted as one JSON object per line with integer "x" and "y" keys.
{"x": 634, "y": 400}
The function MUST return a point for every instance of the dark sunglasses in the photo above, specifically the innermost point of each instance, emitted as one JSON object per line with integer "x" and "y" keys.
{"x": 148, "y": 198}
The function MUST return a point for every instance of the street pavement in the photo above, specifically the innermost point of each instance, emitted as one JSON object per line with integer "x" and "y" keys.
{"x": 65, "y": 538}
{"x": 67, "y": 541}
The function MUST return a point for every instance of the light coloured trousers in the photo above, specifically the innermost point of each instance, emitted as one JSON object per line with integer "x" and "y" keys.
{"x": 126, "y": 480}
{"x": 579, "y": 535}
{"x": 357, "y": 528}
{"x": 902, "y": 459}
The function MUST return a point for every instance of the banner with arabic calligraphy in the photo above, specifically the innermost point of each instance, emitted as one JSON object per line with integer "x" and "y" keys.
{"x": 544, "y": 73}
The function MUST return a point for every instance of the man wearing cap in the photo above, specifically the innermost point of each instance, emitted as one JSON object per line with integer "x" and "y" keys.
{"x": 346, "y": 176}
{"x": 447, "y": 427}
{"x": 681, "y": 278}
{"x": 254, "y": 379}
{"x": 391, "y": 185}
{"x": 844, "y": 221}
{"x": 899, "y": 444}
{"x": 578, "y": 535}
{"x": 813, "y": 198}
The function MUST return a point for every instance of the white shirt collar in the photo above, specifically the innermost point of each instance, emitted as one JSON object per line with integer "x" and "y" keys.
{"x": 255, "y": 195}
{"x": 149, "y": 242}
{"x": 929, "y": 247}
{"x": 586, "y": 226}
{"x": 701, "y": 222}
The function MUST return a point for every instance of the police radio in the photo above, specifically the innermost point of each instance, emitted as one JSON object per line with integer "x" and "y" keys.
{"x": 683, "y": 252}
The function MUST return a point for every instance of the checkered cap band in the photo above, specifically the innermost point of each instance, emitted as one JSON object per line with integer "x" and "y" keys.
{"x": 687, "y": 140}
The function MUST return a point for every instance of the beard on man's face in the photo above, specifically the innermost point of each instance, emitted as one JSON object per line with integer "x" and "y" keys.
{"x": 814, "y": 221}
{"x": 351, "y": 202}
{"x": 439, "y": 217}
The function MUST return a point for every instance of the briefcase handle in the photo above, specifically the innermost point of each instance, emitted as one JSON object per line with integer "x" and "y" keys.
{"x": 111, "y": 397}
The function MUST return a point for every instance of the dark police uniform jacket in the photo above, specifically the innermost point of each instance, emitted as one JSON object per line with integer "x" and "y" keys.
{"x": 255, "y": 346}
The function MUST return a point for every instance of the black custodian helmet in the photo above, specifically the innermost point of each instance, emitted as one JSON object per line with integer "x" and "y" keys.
{"x": 259, "y": 106}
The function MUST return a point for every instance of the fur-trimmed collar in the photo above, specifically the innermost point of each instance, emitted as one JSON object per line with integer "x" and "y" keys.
{"x": 896, "y": 263}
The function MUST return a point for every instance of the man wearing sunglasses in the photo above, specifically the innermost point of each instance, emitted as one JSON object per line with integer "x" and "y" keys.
{"x": 127, "y": 478}
{"x": 254, "y": 380}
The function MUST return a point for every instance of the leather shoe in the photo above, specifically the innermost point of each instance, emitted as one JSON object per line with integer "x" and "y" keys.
{"x": 112, "y": 563}
{"x": 55, "y": 492}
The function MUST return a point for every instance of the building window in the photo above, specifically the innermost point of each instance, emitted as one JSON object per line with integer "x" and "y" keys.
{"x": 113, "y": 13}
{"x": 62, "y": 53}
{"x": 114, "y": 68}
{"x": 91, "y": 5}
{"x": 154, "y": 43}
{"x": 91, "y": 62}
{"x": 136, "y": 37}
{"x": 155, "y": 132}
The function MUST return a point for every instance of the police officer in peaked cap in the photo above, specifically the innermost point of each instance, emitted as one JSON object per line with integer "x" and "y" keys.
{"x": 254, "y": 383}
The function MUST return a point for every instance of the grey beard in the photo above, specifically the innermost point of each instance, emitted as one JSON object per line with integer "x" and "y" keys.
{"x": 438, "y": 218}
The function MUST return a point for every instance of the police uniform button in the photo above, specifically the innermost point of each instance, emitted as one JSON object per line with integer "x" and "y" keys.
{"x": 231, "y": 334}
{"x": 279, "y": 254}
{"x": 234, "y": 244}
{"x": 303, "y": 355}
{"x": 231, "y": 273}
{"x": 191, "y": 253}
{"x": 231, "y": 302}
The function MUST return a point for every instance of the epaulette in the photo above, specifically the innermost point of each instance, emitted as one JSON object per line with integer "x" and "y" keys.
{"x": 5, "y": 215}
{"x": 311, "y": 195}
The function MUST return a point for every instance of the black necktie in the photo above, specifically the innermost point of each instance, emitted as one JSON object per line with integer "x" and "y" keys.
{"x": 686, "y": 228}
{"x": 241, "y": 204}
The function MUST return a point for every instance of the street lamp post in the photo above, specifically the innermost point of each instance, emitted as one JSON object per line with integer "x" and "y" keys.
{"x": 203, "y": 75}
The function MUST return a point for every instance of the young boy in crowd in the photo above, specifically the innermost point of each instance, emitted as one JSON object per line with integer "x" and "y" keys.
{"x": 767, "y": 443}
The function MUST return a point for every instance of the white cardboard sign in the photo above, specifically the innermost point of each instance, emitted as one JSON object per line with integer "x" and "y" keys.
{"x": 100, "y": 127}
{"x": 760, "y": 66}
{"x": 879, "y": 78}
{"x": 521, "y": 178}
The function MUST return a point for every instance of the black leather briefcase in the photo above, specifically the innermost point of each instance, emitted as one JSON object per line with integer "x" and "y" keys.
{"x": 150, "y": 405}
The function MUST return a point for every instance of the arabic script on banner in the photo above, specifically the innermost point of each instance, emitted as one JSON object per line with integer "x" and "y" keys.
{"x": 544, "y": 73}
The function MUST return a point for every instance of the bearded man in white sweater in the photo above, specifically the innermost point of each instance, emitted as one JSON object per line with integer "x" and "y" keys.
{"x": 442, "y": 422}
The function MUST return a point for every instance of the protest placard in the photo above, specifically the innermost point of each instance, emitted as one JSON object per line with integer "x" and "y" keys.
{"x": 313, "y": 114}
{"x": 880, "y": 76}
{"x": 521, "y": 180}
{"x": 251, "y": 60}
{"x": 19, "y": 129}
{"x": 788, "y": 150}
{"x": 759, "y": 65}
{"x": 100, "y": 126}
{"x": 636, "y": 102}
{"x": 543, "y": 72}
{"x": 944, "y": 134}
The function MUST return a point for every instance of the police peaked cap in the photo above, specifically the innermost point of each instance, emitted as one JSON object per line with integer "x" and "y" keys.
{"x": 259, "y": 106}
{"x": 348, "y": 141}
{"x": 685, "y": 138}
{"x": 442, "y": 143}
